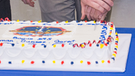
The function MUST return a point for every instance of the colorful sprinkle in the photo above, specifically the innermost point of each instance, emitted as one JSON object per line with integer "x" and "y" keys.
{"x": 57, "y": 22}
{"x": 85, "y": 20}
{"x": 32, "y": 62}
{"x": 88, "y": 62}
{"x": 81, "y": 61}
{"x": 114, "y": 55}
{"x": 23, "y": 61}
{"x": 90, "y": 45}
{"x": 62, "y": 45}
{"x": 116, "y": 33}
{"x": 82, "y": 45}
{"x": 116, "y": 47}
{"x": 110, "y": 33}
{"x": 108, "y": 61}
{"x": 101, "y": 46}
{"x": 105, "y": 44}
{"x": 9, "y": 62}
{"x": 62, "y": 62}
{"x": 72, "y": 62}
{"x": 45, "y": 46}
{"x": 109, "y": 36}
{"x": 115, "y": 52}
{"x": 96, "y": 62}
{"x": 113, "y": 58}
{"x": 116, "y": 44}
{"x": 54, "y": 45}
{"x": 117, "y": 39}
{"x": 103, "y": 61}
{"x": 94, "y": 21}
{"x": 97, "y": 45}
{"x": 43, "y": 61}
{"x": 1, "y": 44}
{"x": 18, "y": 21}
{"x": 54, "y": 61}
{"x": 33, "y": 45}
{"x": 23, "y": 45}
{"x": 40, "y": 21}
{"x": 111, "y": 28}
{"x": 66, "y": 21}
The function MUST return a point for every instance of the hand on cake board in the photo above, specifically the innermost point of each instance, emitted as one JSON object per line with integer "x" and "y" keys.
{"x": 95, "y": 9}
{"x": 29, "y": 2}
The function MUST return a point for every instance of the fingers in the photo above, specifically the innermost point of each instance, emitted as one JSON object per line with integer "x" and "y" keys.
{"x": 83, "y": 11}
{"x": 24, "y": 1}
{"x": 96, "y": 15}
{"x": 103, "y": 4}
{"x": 88, "y": 10}
{"x": 92, "y": 13}
{"x": 29, "y": 2}
{"x": 104, "y": 16}
{"x": 109, "y": 2}
{"x": 96, "y": 6}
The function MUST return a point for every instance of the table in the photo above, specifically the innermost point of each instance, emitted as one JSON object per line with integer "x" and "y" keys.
{"x": 130, "y": 68}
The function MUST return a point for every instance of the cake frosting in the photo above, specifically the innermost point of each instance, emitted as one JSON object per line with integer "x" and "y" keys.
{"x": 62, "y": 43}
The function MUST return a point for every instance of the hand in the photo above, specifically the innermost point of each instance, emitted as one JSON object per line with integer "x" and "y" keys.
{"x": 29, "y": 2}
{"x": 93, "y": 14}
{"x": 100, "y": 5}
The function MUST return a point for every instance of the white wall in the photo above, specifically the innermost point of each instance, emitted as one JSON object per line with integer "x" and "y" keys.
{"x": 22, "y": 11}
{"x": 123, "y": 13}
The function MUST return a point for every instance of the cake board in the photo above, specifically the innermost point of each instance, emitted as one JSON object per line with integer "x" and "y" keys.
{"x": 118, "y": 66}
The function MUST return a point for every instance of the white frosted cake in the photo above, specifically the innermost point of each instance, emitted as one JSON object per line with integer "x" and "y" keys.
{"x": 64, "y": 43}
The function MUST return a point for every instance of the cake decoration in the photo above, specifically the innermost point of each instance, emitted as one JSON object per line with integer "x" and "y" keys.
{"x": 23, "y": 61}
{"x": 9, "y": 62}
{"x": 1, "y": 44}
{"x": 39, "y": 31}
{"x": 85, "y": 20}
{"x": 18, "y": 21}
{"x": 40, "y": 21}
{"x": 57, "y": 22}
{"x": 88, "y": 63}
{"x": 62, "y": 62}
{"x": 66, "y": 21}
{"x": 72, "y": 62}
{"x": 32, "y": 62}
{"x": 23, "y": 45}
{"x": 81, "y": 61}
{"x": 96, "y": 62}
{"x": 54, "y": 61}
{"x": 13, "y": 45}
{"x": 43, "y": 62}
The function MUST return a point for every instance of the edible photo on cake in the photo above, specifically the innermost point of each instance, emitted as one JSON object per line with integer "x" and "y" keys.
{"x": 40, "y": 31}
{"x": 23, "y": 29}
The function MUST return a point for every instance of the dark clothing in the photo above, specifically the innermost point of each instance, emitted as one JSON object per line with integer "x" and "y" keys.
{"x": 5, "y": 10}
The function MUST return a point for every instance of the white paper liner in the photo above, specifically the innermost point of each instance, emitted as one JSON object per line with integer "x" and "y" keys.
{"x": 118, "y": 66}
